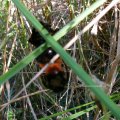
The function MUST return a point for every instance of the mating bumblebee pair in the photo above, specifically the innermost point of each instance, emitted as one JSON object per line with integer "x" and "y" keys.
{"x": 55, "y": 76}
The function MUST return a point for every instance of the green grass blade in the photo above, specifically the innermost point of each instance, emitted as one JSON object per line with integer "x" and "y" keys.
{"x": 78, "y": 19}
{"x": 25, "y": 61}
{"x": 69, "y": 110}
{"x": 114, "y": 97}
{"x": 76, "y": 115}
{"x": 70, "y": 62}
{"x": 19, "y": 66}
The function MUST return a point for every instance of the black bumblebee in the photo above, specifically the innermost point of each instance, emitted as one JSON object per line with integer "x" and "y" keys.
{"x": 55, "y": 76}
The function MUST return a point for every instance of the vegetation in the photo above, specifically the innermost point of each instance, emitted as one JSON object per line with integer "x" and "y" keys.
{"x": 91, "y": 37}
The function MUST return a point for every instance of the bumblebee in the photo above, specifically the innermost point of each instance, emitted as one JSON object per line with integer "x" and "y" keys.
{"x": 55, "y": 76}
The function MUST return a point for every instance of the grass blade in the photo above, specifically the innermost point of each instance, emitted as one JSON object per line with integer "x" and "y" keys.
{"x": 70, "y": 62}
